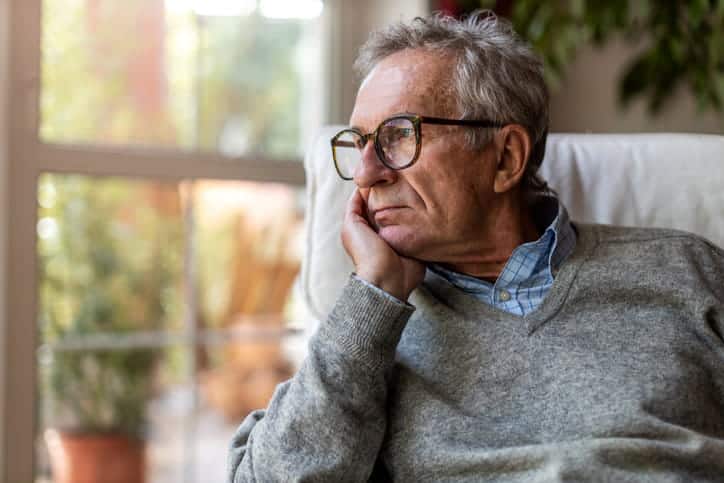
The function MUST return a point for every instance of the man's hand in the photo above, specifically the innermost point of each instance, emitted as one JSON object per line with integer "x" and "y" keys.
{"x": 374, "y": 260}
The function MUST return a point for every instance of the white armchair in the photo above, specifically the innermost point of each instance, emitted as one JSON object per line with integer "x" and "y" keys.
{"x": 662, "y": 180}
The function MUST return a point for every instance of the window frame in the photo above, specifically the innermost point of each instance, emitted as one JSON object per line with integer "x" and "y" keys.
{"x": 28, "y": 158}
{"x": 345, "y": 27}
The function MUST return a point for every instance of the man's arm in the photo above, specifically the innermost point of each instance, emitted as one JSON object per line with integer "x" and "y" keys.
{"x": 327, "y": 423}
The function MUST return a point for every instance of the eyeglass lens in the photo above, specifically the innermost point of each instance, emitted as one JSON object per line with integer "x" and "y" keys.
{"x": 396, "y": 138}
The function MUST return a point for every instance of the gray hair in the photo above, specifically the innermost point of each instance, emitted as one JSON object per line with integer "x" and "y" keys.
{"x": 497, "y": 76}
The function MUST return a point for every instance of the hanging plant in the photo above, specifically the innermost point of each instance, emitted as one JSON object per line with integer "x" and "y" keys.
{"x": 683, "y": 41}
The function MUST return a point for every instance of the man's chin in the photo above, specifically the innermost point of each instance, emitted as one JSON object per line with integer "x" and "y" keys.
{"x": 402, "y": 240}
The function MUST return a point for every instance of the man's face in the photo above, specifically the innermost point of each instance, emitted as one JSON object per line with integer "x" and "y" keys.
{"x": 435, "y": 209}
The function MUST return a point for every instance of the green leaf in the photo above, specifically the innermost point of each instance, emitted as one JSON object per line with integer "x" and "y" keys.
{"x": 635, "y": 80}
{"x": 697, "y": 11}
{"x": 717, "y": 92}
{"x": 577, "y": 8}
{"x": 685, "y": 43}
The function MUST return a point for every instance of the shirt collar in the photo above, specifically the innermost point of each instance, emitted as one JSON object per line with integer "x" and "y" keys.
{"x": 548, "y": 207}
{"x": 556, "y": 243}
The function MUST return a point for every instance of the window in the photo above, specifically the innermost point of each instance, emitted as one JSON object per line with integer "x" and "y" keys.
{"x": 121, "y": 263}
{"x": 158, "y": 194}
{"x": 227, "y": 76}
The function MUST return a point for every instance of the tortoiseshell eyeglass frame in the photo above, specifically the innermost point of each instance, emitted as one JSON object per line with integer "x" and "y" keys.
{"x": 417, "y": 122}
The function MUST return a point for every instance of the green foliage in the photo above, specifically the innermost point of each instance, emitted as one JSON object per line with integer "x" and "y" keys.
{"x": 89, "y": 89}
{"x": 110, "y": 258}
{"x": 99, "y": 391}
{"x": 100, "y": 82}
{"x": 683, "y": 43}
{"x": 248, "y": 74}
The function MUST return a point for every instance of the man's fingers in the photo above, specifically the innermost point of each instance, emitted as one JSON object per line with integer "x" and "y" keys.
{"x": 356, "y": 207}
{"x": 354, "y": 204}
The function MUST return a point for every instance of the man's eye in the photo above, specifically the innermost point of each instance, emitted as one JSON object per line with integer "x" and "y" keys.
{"x": 397, "y": 134}
{"x": 401, "y": 133}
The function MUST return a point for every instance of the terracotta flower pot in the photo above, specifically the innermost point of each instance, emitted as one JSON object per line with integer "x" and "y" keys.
{"x": 95, "y": 458}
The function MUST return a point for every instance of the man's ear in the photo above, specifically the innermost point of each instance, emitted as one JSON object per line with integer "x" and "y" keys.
{"x": 515, "y": 147}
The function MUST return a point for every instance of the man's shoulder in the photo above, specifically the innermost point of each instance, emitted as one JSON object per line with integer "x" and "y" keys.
{"x": 626, "y": 235}
{"x": 661, "y": 247}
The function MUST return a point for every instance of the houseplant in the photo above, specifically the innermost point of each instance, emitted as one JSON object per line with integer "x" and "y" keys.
{"x": 678, "y": 44}
{"x": 110, "y": 255}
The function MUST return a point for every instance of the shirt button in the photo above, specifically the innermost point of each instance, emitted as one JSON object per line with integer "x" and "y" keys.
{"x": 504, "y": 295}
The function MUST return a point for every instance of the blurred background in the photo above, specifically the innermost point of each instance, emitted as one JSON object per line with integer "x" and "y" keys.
{"x": 153, "y": 198}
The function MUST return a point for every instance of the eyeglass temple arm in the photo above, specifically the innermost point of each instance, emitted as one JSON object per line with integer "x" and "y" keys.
{"x": 459, "y": 122}
{"x": 343, "y": 144}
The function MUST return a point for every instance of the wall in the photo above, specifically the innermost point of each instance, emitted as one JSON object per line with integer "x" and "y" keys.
{"x": 356, "y": 21}
{"x": 586, "y": 100}
{"x": 4, "y": 83}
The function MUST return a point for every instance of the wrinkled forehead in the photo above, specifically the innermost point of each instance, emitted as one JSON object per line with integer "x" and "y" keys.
{"x": 410, "y": 81}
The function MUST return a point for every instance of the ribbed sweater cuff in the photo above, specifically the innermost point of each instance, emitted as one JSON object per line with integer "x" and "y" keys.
{"x": 367, "y": 323}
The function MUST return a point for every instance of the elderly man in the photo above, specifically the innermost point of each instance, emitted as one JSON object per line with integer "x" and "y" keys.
{"x": 531, "y": 348}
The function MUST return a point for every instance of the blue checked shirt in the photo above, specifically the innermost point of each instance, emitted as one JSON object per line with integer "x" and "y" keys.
{"x": 530, "y": 270}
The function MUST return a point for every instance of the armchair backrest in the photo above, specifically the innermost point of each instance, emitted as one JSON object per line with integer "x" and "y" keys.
{"x": 649, "y": 180}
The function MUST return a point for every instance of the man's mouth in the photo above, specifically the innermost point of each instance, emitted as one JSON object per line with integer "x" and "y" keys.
{"x": 381, "y": 215}
{"x": 385, "y": 209}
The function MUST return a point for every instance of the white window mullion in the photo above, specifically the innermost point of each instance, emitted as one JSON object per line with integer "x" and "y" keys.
{"x": 19, "y": 391}
{"x": 4, "y": 128}
{"x": 162, "y": 164}
{"x": 191, "y": 326}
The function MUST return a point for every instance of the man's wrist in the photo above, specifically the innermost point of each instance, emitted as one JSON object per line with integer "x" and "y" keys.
{"x": 378, "y": 289}
{"x": 395, "y": 289}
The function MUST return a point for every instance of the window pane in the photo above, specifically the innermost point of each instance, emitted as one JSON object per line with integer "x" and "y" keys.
{"x": 117, "y": 352}
{"x": 249, "y": 244}
{"x": 111, "y": 254}
{"x": 249, "y": 240}
{"x": 227, "y": 76}
{"x": 115, "y": 377}
{"x": 113, "y": 415}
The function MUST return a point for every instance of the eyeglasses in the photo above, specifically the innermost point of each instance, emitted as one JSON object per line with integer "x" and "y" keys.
{"x": 397, "y": 142}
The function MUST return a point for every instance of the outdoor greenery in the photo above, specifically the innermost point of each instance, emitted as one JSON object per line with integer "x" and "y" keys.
{"x": 142, "y": 72}
{"x": 110, "y": 256}
{"x": 139, "y": 72}
{"x": 250, "y": 92}
{"x": 678, "y": 44}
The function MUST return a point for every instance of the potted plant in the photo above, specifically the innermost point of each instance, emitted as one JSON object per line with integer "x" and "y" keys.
{"x": 678, "y": 44}
{"x": 104, "y": 276}
{"x": 98, "y": 400}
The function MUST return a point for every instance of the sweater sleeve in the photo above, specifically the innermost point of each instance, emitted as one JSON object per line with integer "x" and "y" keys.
{"x": 327, "y": 422}
{"x": 713, "y": 267}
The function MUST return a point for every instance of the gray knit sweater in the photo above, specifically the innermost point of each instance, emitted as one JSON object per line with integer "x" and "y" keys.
{"x": 618, "y": 376}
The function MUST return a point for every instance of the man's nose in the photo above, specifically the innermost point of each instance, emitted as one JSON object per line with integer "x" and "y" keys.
{"x": 371, "y": 171}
